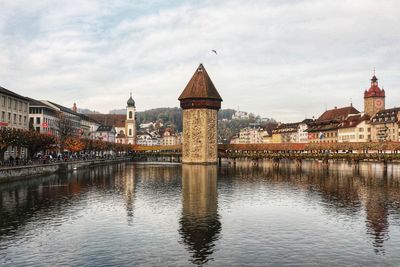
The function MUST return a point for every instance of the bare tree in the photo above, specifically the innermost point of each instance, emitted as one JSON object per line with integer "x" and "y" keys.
{"x": 65, "y": 128}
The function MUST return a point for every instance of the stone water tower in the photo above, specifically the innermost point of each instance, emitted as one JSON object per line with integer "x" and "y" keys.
{"x": 200, "y": 102}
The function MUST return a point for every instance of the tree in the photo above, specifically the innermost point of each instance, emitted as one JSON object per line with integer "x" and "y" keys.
{"x": 65, "y": 128}
{"x": 74, "y": 144}
{"x": 36, "y": 142}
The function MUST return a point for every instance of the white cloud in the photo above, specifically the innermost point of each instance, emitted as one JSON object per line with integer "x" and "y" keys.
{"x": 281, "y": 59}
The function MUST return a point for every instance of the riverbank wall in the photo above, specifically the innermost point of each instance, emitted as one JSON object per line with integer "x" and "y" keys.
{"x": 24, "y": 172}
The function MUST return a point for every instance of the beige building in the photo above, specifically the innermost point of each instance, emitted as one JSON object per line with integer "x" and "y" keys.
{"x": 385, "y": 125}
{"x": 325, "y": 128}
{"x": 43, "y": 118}
{"x": 169, "y": 138}
{"x": 14, "y": 112}
{"x": 356, "y": 128}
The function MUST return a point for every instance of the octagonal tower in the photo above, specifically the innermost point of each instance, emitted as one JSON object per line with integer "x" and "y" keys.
{"x": 200, "y": 102}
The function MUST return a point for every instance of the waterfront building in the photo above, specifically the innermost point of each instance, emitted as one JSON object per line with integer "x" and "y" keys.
{"x": 67, "y": 118}
{"x": 124, "y": 124}
{"x": 14, "y": 111}
{"x": 169, "y": 138}
{"x": 266, "y": 136}
{"x": 355, "y": 128}
{"x": 291, "y": 132}
{"x": 325, "y": 128}
{"x": 148, "y": 139}
{"x": 106, "y": 133}
{"x": 385, "y": 125}
{"x": 88, "y": 125}
{"x": 250, "y": 135}
{"x": 120, "y": 137}
{"x": 43, "y": 118}
{"x": 234, "y": 140}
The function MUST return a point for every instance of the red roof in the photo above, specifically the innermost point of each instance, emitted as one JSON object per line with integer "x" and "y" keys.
{"x": 374, "y": 90}
{"x": 337, "y": 114}
{"x": 116, "y": 120}
{"x": 200, "y": 86}
{"x": 353, "y": 120}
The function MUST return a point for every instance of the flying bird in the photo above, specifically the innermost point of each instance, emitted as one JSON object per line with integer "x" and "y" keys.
{"x": 214, "y": 51}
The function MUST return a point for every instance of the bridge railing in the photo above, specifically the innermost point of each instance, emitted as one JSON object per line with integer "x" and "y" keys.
{"x": 355, "y": 147}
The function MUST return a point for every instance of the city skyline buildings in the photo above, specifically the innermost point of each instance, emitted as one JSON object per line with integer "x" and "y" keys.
{"x": 277, "y": 59}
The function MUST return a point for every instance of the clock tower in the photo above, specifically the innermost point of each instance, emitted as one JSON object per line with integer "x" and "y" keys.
{"x": 374, "y": 98}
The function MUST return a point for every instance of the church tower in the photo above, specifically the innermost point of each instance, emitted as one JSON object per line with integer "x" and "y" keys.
{"x": 374, "y": 98}
{"x": 130, "y": 123}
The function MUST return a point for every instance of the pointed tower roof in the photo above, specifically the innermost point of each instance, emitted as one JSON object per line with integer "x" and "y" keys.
{"x": 200, "y": 86}
{"x": 374, "y": 90}
{"x": 130, "y": 102}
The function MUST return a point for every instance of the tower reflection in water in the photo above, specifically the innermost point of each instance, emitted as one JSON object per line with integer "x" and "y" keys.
{"x": 125, "y": 182}
{"x": 199, "y": 225}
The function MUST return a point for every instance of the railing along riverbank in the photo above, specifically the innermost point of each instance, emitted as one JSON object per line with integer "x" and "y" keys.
{"x": 18, "y": 172}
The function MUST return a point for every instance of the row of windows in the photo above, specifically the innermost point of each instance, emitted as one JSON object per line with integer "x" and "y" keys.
{"x": 13, "y": 118}
{"x": 362, "y": 129}
{"x": 13, "y": 103}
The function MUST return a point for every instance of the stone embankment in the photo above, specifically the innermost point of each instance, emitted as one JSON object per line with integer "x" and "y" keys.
{"x": 15, "y": 173}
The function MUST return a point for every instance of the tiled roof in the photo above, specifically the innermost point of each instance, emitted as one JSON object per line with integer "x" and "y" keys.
{"x": 64, "y": 109}
{"x": 116, "y": 120}
{"x": 386, "y": 116}
{"x": 105, "y": 128}
{"x": 374, "y": 90}
{"x": 320, "y": 126}
{"x": 37, "y": 103}
{"x": 286, "y": 128}
{"x": 337, "y": 113}
{"x": 10, "y": 93}
{"x": 200, "y": 86}
{"x": 353, "y": 120}
{"x": 121, "y": 135}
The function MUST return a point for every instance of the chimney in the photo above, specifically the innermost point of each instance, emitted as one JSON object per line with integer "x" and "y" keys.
{"x": 74, "y": 108}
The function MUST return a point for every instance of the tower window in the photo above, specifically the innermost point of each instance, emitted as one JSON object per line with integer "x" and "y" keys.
{"x": 130, "y": 132}
{"x": 130, "y": 114}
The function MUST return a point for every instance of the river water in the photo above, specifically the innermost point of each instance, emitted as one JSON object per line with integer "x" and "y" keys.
{"x": 172, "y": 215}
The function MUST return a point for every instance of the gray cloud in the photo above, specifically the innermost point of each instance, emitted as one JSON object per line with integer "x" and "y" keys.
{"x": 281, "y": 59}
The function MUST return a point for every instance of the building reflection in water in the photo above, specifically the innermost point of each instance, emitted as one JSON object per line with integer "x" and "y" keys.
{"x": 343, "y": 190}
{"x": 200, "y": 226}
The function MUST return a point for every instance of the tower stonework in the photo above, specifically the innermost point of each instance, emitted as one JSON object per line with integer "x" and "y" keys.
{"x": 200, "y": 102}
{"x": 374, "y": 98}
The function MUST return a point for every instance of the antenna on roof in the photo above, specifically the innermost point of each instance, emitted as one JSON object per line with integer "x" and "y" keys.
{"x": 374, "y": 71}
{"x": 351, "y": 102}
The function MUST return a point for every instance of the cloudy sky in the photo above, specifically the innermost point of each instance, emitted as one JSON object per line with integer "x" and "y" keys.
{"x": 285, "y": 59}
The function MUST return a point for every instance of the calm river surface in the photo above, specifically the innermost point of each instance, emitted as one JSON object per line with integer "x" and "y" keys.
{"x": 172, "y": 215}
